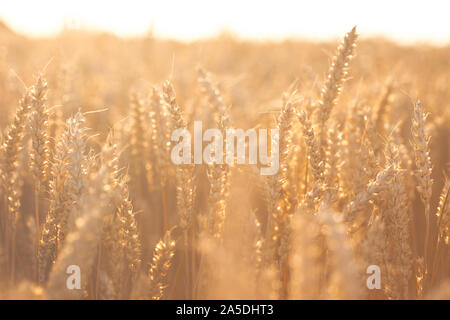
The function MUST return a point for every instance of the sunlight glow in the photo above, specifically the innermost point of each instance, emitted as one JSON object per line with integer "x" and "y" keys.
{"x": 186, "y": 20}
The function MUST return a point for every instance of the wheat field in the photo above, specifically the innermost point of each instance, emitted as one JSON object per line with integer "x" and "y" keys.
{"x": 87, "y": 178}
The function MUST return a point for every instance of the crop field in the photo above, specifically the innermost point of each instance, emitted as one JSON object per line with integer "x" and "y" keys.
{"x": 93, "y": 205}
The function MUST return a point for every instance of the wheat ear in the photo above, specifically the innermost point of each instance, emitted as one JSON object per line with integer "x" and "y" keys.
{"x": 10, "y": 178}
{"x": 162, "y": 260}
{"x": 81, "y": 245}
{"x": 337, "y": 74}
{"x": 40, "y": 151}
{"x": 423, "y": 168}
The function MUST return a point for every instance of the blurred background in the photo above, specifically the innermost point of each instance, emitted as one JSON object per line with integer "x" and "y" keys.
{"x": 109, "y": 59}
{"x": 412, "y": 21}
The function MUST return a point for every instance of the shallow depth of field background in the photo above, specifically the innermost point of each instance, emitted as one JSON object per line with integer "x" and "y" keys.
{"x": 101, "y": 59}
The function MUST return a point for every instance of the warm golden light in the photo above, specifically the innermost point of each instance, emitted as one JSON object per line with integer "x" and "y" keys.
{"x": 412, "y": 21}
{"x": 292, "y": 150}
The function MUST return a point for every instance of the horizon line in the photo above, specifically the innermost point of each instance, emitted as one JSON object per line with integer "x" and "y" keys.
{"x": 236, "y": 35}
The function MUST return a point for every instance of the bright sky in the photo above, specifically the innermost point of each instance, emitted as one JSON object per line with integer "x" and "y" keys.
{"x": 413, "y": 20}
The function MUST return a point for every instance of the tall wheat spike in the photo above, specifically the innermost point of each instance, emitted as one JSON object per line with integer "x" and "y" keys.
{"x": 81, "y": 244}
{"x": 160, "y": 138}
{"x": 66, "y": 186}
{"x": 10, "y": 177}
{"x": 397, "y": 224}
{"x": 337, "y": 74}
{"x": 120, "y": 232}
{"x": 40, "y": 151}
{"x": 423, "y": 169}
